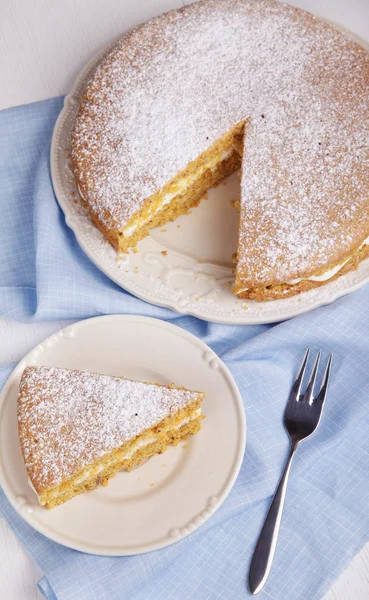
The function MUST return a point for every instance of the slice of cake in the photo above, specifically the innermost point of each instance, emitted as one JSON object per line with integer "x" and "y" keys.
{"x": 77, "y": 429}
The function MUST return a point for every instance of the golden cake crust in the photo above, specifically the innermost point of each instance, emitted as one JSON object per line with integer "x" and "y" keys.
{"x": 302, "y": 88}
{"x": 285, "y": 290}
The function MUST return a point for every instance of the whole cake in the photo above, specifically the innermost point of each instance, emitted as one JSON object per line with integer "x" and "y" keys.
{"x": 78, "y": 429}
{"x": 189, "y": 97}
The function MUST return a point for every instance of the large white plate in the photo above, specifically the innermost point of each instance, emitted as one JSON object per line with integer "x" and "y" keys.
{"x": 170, "y": 495}
{"x": 186, "y": 266}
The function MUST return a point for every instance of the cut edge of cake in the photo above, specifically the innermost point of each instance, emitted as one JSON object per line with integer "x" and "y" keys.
{"x": 183, "y": 192}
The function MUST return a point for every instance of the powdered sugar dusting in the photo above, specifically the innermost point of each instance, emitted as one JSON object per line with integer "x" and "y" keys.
{"x": 68, "y": 419}
{"x": 175, "y": 85}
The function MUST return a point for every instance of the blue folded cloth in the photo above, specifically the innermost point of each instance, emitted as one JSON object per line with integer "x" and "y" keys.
{"x": 45, "y": 275}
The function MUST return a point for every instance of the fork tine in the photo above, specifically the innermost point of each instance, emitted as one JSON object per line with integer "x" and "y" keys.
{"x": 323, "y": 388}
{"x": 308, "y": 396}
{"x": 295, "y": 392}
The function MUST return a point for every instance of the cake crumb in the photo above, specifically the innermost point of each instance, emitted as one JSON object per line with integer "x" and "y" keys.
{"x": 164, "y": 252}
{"x": 152, "y": 484}
{"x": 163, "y": 230}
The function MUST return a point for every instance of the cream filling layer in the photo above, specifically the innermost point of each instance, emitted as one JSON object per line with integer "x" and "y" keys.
{"x": 136, "y": 446}
{"x": 130, "y": 229}
{"x": 185, "y": 183}
{"x": 331, "y": 272}
{"x": 324, "y": 276}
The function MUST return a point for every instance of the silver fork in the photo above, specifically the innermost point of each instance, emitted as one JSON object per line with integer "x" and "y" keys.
{"x": 301, "y": 418}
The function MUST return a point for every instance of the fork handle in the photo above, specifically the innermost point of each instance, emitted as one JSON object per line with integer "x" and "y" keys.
{"x": 265, "y": 547}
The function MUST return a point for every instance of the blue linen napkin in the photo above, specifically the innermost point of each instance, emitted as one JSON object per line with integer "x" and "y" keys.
{"x": 45, "y": 275}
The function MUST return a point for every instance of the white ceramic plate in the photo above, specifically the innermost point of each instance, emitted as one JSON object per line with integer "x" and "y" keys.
{"x": 187, "y": 265}
{"x": 170, "y": 495}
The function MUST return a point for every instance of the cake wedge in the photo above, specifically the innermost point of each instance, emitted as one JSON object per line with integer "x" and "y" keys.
{"x": 78, "y": 429}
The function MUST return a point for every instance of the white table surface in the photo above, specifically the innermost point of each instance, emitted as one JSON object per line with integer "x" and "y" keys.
{"x": 43, "y": 45}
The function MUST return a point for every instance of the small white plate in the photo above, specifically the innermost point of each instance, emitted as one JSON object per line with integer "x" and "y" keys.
{"x": 187, "y": 265}
{"x": 170, "y": 495}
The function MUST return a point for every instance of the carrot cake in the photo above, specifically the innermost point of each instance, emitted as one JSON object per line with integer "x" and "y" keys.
{"x": 77, "y": 429}
{"x": 191, "y": 96}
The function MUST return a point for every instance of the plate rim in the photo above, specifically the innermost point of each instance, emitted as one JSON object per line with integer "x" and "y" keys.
{"x": 308, "y": 301}
{"x": 233, "y": 473}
